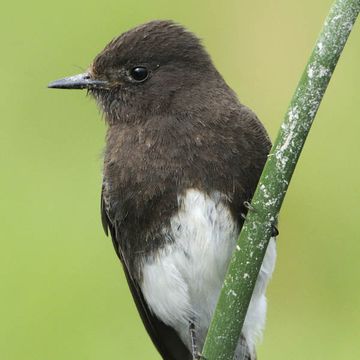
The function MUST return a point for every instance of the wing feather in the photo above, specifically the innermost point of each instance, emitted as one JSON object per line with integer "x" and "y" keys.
{"x": 165, "y": 338}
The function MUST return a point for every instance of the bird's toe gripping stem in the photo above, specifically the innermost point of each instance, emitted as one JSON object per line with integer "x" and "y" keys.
{"x": 249, "y": 207}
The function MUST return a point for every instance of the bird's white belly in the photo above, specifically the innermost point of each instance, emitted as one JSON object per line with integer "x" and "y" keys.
{"x": 181, "y": 283}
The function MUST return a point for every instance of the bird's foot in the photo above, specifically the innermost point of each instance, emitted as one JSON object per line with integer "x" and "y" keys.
{"x": 199, "y": 356}
{"x": 274, "y": 231}
{"x": 248, "y": 206}
{"x": 194, "y": 348}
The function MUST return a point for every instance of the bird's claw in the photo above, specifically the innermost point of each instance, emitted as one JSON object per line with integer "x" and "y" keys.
{"x": 274, "y": 231}
{"x": 248, "y": 206}
{"x": 199, "y": 356}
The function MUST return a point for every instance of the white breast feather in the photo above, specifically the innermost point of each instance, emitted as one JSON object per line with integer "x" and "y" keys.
{"x": 182, "y": 283}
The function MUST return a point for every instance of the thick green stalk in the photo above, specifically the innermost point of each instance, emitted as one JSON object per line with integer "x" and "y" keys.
{"x": 246, "y": 261}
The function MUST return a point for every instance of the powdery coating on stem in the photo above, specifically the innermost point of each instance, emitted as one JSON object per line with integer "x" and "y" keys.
{"x": 246, "y": 261}
{"x": 308, "y": 95}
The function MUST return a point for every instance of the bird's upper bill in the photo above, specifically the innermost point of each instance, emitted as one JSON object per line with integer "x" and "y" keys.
{"x": 80, "y": 81}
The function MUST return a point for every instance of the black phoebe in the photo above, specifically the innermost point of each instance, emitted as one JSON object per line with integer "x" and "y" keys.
{"x": 182, "y": 156}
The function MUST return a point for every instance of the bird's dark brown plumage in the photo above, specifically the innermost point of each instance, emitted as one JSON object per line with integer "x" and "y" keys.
{"x": 183, "y": 128}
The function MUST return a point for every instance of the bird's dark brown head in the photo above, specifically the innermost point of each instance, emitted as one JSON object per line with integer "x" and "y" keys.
{"x": 145, "y": 69}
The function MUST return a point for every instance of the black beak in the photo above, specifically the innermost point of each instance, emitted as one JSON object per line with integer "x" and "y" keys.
{"x": 80, "y": 81}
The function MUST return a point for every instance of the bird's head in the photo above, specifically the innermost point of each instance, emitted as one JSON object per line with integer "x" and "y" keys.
{"x": 144, "y": 69}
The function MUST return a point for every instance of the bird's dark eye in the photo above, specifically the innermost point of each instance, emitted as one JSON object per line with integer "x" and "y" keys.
{"x": 139, "y": 73}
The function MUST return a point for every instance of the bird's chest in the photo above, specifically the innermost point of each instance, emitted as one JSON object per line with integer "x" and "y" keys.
{"x": 181, "y": 282}
{"x": 140, "y": 188}
{"x": 141, "y": 175}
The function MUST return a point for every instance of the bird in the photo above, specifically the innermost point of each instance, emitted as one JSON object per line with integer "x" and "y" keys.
{"x": 182, "y": 158}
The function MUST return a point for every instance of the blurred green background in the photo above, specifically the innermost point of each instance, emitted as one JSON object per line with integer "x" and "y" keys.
{"x": 62, "y": 290}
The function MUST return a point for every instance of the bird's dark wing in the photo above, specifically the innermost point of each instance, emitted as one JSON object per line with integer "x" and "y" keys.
{"x": 165, "y": 338}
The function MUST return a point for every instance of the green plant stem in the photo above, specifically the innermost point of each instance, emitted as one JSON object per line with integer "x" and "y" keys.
{"x": 247, "y": 258}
